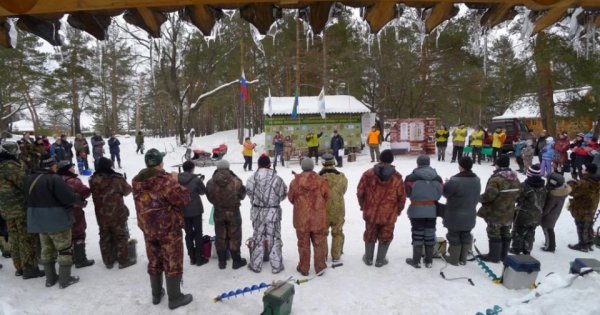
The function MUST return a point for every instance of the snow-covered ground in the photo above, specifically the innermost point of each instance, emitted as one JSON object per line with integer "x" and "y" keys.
{"x": 352, "y": 289}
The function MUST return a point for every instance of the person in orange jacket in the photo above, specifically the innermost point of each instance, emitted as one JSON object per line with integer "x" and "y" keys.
{"x": 374, "y": 140}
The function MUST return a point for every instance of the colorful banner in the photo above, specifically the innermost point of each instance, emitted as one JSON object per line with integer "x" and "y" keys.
{"x": 412, "y": 135}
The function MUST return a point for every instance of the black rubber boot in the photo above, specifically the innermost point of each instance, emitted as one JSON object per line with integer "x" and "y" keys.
{"x": 493, "y": 256}
{"x": 464, "y": 253}
{"x": 79, "y": 256}
{"x": 381, "y": 253}
{"x": 130, "y": 262}
{"x": 550, "y": 241}
{"x": 34, "y": 272}
{"x": 454, "y": 257}
{"x": 176, "y": 298}
{"x": 199, "y": 258}
{"x": 415, "y": 261}
{"x": 368, "y": 256}
{"x": 222, "y": 254}
{"x": 428, "y": 256}
{"x": 238, "y": 261}
{"x": 50, "y": 272}
{"x": 64, "y": 277}
{"x": 505, "y": 247}
{"x": 157, "y": 289}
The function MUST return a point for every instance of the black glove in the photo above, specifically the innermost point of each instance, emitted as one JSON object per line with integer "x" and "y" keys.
{"x": 201, "y": 177}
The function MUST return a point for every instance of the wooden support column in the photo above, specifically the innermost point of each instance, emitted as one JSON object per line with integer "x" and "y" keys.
{"x": 498, "y": 14}
{"x": 203, "y": 17}
{"x": 440, "y": 13}
{"x": 379, "y": 14}
{"x": 553, "y": 15}
{"x": 146, "y": 19}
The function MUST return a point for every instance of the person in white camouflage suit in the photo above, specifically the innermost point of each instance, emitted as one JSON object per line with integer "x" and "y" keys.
{"x": 266, "y": 191}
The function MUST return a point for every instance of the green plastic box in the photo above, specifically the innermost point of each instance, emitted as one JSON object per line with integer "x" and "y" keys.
{"x": 278, "y": 299}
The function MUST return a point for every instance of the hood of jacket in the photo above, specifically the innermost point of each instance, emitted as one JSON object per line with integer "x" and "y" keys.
{"x": 425, "y": 173}
{"x": 147, "y": 174}
{"x": 506, "y": 173}
{"x": 384, "y": 171}
{"x": 307, "y": 180}
{"x": 223, "y": 177}
{"x": 562, "y": 191}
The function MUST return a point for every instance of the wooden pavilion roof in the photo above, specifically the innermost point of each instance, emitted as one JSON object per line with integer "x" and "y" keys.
{"x": 42, "y": 17}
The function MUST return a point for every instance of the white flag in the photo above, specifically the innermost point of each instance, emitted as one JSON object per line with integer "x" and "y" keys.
{"x": 270, "y": 104}
{"x": 321, "y": 101}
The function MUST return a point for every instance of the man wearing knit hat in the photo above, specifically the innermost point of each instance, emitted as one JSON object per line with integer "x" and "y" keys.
{"x": 498, "y": 208}
{"x": 558, "y": 191}
{"x": 226, "y": 192}
{"x": 424, "y": 187}
{"x": 309, "y": 193}
{"x": 159, "y": 199}
{"x": 530, "y": 206}
{"x": 48, "y": 201}
{"x": 266, "y": 191}
{"x": 381, "y": 197}
{"x": 335, "y": 205}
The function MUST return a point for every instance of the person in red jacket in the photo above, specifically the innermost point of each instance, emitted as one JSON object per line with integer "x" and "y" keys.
{"x": 381, "y": 197}
{"x": 309, "y": 193}
{"x": 561, "y": 159}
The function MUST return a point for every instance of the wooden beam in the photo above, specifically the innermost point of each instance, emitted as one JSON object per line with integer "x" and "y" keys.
{"x": 497, "y": 14}
{"x": 438, "y": 14}
{"x": 259, "y": 15}
{"x": 203, "y": 17}
{"x": 146, "y": 19}
{"x": 18, "y": 6}
{"x": 552, "y": 16}
{"x": 94, "y": 24}
{"x": 380, "y": 14}
{"x": 319, "y": 15}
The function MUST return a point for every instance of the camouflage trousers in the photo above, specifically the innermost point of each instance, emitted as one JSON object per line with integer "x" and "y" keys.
{"x": 320, "y": 250}
{"x": 523, "y": 237}
{"x": 384, "y": 233}
{"x": 78, "y": 229}
{"x": 54, "y": 244}
{"x": 336, "y": 224}
{"x": 585, "y": 232}
{"x": 497, "y": 231}
{"x": 113, "y": 243}
{"x": 165, "y": 253}
{"x": 228, "y": 230}
{"x": 267, "y": 226}
{"x": 22, "y": 244}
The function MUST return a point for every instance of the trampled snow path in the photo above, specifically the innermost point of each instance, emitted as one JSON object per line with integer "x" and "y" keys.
{"x": 352, "y": 289}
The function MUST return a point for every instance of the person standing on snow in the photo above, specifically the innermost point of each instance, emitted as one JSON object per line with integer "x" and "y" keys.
{"x": 459, "y": 136}
{"x": 557, "y": 193}
{"x": 309, "y": 194}
{"x": 583, "y": 205}
{"x": 97, "y": 148}
{"x": 108, "y": 190}
{"x": 66, "y": 169}
{"x": 192, "y": 213}
{"x": 424, "y": 188}
{"x": 476, "y": 140}
{"x": 82, "y": 150}
{"x": 114, "y": 146}
{"x": 441, "y": 142}
{"x": 266, "y": 191}
{"x": 547, "y": 154}
{"x": 336, "y": 209}
{"x": 68, "y": 147}
{"x": 277, "y": 149}
{"x": 373, "y": 141}
{"x": 158, "y": 203}
{"x": 381, "y": 197}
{"x": 226, "y": 192}
{"x": 248, "y": 149}
{"x": 312, "y": 141}
{"x": 498, "y": 138}
{"x": 561, "y": 158}
{"x": 139, "y": 141}
{"x": 337, "y": 144}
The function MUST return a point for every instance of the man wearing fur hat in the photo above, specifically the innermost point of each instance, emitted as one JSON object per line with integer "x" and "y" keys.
{"x": 309, "y": 194}
{"x": 266, "y": 191}
{"x": 158, "y": 201}
{"x": 335, "y": 205}
{"x": 424, "y": 187}
{"x": 530, "y": 206}
{"x": 66, "y": 169}
{"x": 226, "y": 192}
{"x": 108, "y": 190}
{"x": 583, "y": 205}
{"x": 48, "y": 212}
{"x": 498, "y": 208}
{"x": 381, "y": 197}
{"x": 558, "y": 191}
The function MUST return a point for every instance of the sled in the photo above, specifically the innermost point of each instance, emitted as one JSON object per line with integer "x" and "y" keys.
{"x": 203, "y": 158}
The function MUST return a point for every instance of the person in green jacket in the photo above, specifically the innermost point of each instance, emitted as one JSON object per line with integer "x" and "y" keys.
{"x": 139, "y": 140}
{"x": 312, "y": 140}
{"x": 441, "y": 142}
{"x": 338, "y": 185}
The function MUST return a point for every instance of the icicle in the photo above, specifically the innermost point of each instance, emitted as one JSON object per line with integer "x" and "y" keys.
{"x": 573, "y": 22}
{"x": 13, "y": 34}
{"x": 378, "y": 37}
{"x": 257, "y": 37}
{"x": 369, "y": 40}
{"x": 527, "y": 24}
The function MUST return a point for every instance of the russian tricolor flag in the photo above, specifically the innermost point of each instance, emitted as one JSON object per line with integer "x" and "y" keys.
{"x": 243, "y": 88}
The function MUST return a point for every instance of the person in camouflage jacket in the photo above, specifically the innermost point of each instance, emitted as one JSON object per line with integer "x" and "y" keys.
{"x": 226, "y": 191}
{"x": 13, "y": 210}
{"x": 159, "y": 199}
{"x": 336, "y": 209}
{"x": 32, "y": 153}
{"x": 381, "y": 197}
{"x": 309, "y": 194}
{"x": 82, "y": 150}
{"x": 498, "y": 208}
{"x": 583, "y": 205}
{"x": 108, "y": 189}
{"x": 528, "y": 213}
{"x": 266, "y": 191}
{"x": 66, "y": 169}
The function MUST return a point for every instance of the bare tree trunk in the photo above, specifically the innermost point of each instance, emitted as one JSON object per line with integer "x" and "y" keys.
{"x": 545, "y": 91}
{"x": 423, "y": 72}
{"x": 114, "y": 117}
{"x": 138, "y": 106}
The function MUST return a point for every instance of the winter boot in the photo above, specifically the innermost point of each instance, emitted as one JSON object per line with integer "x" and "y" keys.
{"x": 495, "y": 251}
{"x": 368, "y": 256}
{"x": 505, "y": 247}
{"x": 79, "y": 257}
{"x": 381, "y": 252}
{"x": 222, "y": 254}
{"x": 238, "y": 261}
{"x": 454, "y": 251}
{"x": 464, "y": 253}
{"x": 34, "y": 272}
{"x": 176, "y": 298}
{"x": 550, "y": 241}
{"x": 415, "y": 261}
{"x": 157, "y": 289}
{"x": 580, "y": 247}
{"x": 64, "y": 277}
{"x": 119, "y": 162}
{"x": 50, "y": 272}
{"x": 130, "y": 262}
{"x": 428, "y": 256}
